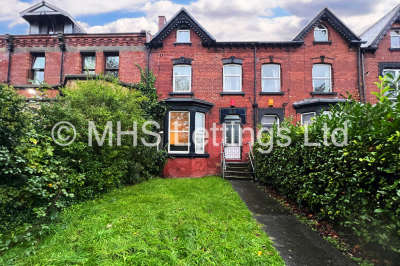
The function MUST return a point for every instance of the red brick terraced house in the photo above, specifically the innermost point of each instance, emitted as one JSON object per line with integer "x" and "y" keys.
{"x": 230, "y": 86}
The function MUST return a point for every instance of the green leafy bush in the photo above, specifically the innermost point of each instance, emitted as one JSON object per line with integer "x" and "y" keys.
{"x": 356, "y": 185}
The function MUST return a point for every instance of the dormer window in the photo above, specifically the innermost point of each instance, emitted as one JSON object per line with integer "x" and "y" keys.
{"x": 395, "y": 38}
{"x": 183, "y": 35}
{"x": 320, "y": 34}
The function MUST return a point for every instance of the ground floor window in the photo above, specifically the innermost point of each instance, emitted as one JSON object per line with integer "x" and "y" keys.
{"x": 395, "y": 86}
{"x": 307, "y": 118}
{"x": 268, "y": 120}
{"x": 199, "y": 131}
{"x": 179, "y": 125}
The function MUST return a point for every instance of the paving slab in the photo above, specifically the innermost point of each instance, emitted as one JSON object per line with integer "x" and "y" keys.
{"x": 297, "y": 244}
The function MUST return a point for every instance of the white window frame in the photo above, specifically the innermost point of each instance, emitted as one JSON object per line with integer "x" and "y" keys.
{"x": 277, "y": 120}
{"x": 322, "y": 78}
{"x": 394, "y": 34}
{"x": 179, "y": 31}
{"x": 169, "y": 132}
{"x": 240, "y": 75}
{"x": 317, "y": 29}
{"x": 397, "y": 73}
{"x": 190, "y": 77}
{"x": 201, "y": 134}
{"x": 232, "y": 137}
{"x": 315, "y": 114}
{"x": 37, "y": 70}
{"x": 272, "y": 78}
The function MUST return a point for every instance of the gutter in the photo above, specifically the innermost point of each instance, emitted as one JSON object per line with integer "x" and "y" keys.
{"x": 10, "y": 49}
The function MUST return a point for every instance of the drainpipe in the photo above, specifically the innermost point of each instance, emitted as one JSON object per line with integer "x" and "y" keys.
{"x": 358, "y": 72}
{"x": 61, "y": 44}
{"x": 10, "y": 49}
{"x": 147, "y": 70}
{"x": 363, "y": 76}
{"x": 255, "y": 105}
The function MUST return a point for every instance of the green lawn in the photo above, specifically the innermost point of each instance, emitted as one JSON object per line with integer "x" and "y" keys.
{"x": 160, "y": 222}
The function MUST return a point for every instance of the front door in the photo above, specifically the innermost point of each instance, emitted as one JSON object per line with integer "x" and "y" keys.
{"x": 233, "y": 141}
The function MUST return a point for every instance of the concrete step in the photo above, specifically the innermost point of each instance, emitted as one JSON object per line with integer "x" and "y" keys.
{"x": 238, "y": 173}
{"x": 237, "y": 177}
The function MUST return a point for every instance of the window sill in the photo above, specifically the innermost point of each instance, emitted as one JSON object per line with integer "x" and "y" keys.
{"x": 184, "y": 43}
{"x": 272, "y": 93}
{"x": 323, "y": 93}
{"x": 181, "y": 93}
{"x": 240, "y": 93}
{"x": 322, "y": 42}
{"x": 188, "y": 155}
{"x": 394, "y": 49}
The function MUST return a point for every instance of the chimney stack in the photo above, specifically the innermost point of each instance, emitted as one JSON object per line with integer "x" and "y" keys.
{"x": 161, "y": 22}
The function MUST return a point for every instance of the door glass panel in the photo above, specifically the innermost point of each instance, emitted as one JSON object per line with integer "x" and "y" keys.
{"x": 236, "y": 134}
{"x": 228, "y": 133}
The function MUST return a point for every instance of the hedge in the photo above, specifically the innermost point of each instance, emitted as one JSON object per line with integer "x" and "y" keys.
{"x": 354, "y": 185}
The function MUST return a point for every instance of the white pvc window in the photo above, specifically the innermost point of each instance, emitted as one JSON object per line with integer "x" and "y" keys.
{"x": 271, "y": 78}
{"x": 179, "y": 125}
{"x": 320, "y": 33}
{"x": 182, "y": 78}
{"x": 395, "y": 38}
{"x": 307, "y": 118}
{"x": 200, "y": 120}
{"x": 38, "y": 69}
{"x": 322, "y": 81}
{"x": 268, "y": 120}
{"x": 183, "y": 36}
{"x": 395, "y": 87}
{"x": 232, "y": 78}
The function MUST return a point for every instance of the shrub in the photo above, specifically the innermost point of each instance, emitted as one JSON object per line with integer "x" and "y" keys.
{"x": 357, "y": 185}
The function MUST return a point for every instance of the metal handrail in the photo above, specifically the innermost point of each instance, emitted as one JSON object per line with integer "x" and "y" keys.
{"x": 223, "y": 165}
{"x": 252, "y": 158}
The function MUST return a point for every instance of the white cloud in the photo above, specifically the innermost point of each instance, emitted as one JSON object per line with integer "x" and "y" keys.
{"x": 123, "y": 25}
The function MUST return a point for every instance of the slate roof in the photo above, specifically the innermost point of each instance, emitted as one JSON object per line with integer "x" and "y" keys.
{"x": 375, "y": 33}
{"x": 182, "y": 17}
{"x": 44, "y": 8}
{"x": 329, "y": 16}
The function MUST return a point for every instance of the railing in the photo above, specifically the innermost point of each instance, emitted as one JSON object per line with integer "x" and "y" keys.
{"x": 223, "y": 164}
{"x": 252, "y": 159}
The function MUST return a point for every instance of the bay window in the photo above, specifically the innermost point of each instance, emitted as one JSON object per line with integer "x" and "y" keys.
{"x": 199, "y": 132}
{"x": 182, "y": 78}
{"x": 321, "y": 74}
{"x": 394, "y": 86}
{"x": 232, "y": 78}
{"x": 307, "y": 118}
{"x": 271, "y": 78}
{"x": 179, "y": 125}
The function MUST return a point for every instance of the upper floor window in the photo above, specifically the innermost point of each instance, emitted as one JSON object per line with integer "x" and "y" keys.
{"x": 183, "y": 35}
{"x": 395, "y": 87}
{"x": 179, "y": 132}
{"x": 395, "y": 38}
{"x": 271, "y": 78}
{"x": 38, "y": 69}
{"x": 112, "y": 65}
{"x": 268, "y": 120}
{"x": 321, "y": 74}
{"x": 320, "y": 33}
{"x": 232, "y": 78}
{"x": 307, "y": 118}
{"x": 88, "y": 64}
{"x": 182, "y": 78}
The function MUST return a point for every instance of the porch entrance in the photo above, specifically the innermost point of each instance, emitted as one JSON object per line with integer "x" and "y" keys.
{"x": 233, "y": 137}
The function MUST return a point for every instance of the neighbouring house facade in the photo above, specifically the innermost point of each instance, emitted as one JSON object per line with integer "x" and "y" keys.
{"x": 233, "y": 87}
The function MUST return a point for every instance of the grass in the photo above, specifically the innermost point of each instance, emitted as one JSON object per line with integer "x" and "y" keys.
{"x": 160, "y": 222}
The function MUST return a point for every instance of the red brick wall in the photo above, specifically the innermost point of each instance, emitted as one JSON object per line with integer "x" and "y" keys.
{"x": 207, "y": 83}
{"x": 3, "y": 66}
{"x": 128, "y": 71}
{"x": 371, "y": 63}
{"x": 21, "y": 65}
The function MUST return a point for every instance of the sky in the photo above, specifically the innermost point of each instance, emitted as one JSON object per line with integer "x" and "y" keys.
{"x": 226, "y": 20}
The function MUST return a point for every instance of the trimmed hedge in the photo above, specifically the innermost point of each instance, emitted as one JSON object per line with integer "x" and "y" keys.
{"x": 356, "y": 185}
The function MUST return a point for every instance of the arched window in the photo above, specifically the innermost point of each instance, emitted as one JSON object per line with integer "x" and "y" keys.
{"x": 320, "y": 33}
{"x": 268, "y": 120}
